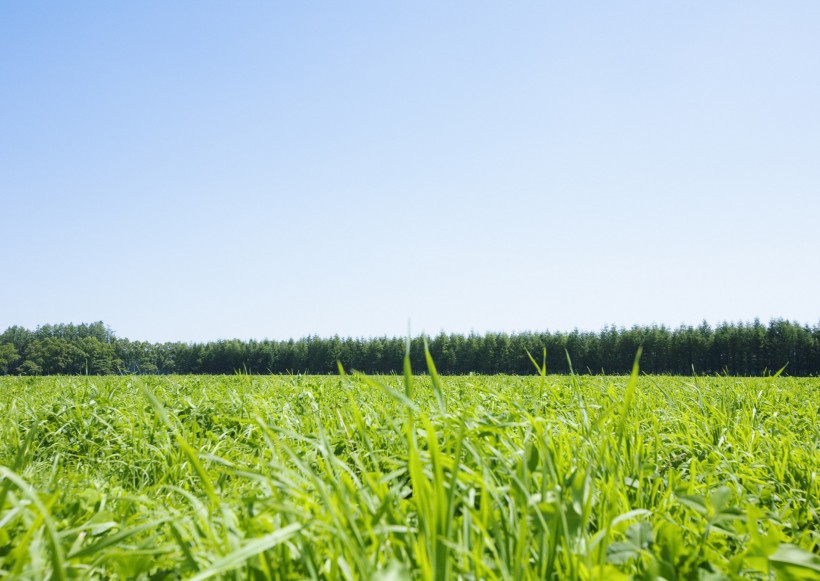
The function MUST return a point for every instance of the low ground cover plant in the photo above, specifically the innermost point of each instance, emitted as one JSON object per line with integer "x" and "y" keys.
{"x": 402, "y": 477}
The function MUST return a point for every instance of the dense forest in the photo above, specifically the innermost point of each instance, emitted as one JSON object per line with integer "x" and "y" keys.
{"x": 728, "y": 348}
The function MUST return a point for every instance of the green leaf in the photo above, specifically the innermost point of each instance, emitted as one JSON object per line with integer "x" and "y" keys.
{"x": 720, "y": 498}
{"x": 395, "y": 571}
{"x": 629, "y": 515}
{"x": 620, "y": 552}
{"x": 58, "y": 559}
{"x": 792, "y": 562}
{"x": 695, "y": 502}
{"x": 437, "y": 389}
{"x": 116, "y": 538}
{"x": 640, "y": 534}
{"x": 240, "y": 556}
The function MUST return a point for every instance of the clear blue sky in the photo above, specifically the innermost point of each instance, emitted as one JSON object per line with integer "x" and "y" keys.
{"x": 202, "y": 170}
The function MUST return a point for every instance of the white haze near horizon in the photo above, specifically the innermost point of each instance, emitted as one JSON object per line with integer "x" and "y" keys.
{"x": 195, "y": 171}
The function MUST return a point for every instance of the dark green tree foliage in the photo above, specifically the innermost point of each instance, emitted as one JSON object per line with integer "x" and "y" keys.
{"x": 19, "y": 337}
{"x": 731, "y": 348}
{"x": 63, "y": 349}
{"x": 8, "y": 356}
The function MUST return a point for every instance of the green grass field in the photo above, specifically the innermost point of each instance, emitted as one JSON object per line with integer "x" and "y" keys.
{"x": 350, "y": 477}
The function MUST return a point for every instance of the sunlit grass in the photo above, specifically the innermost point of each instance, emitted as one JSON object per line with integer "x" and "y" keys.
{"x": 354, "y": 477}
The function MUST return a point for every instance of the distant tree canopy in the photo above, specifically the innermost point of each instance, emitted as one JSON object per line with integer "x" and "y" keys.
{"x": 730, "y": 348}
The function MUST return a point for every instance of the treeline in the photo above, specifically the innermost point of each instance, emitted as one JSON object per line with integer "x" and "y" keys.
{"x": 731, "y": 348}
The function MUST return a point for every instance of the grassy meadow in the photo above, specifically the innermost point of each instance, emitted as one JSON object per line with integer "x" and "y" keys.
{"x": 426, "y": 477}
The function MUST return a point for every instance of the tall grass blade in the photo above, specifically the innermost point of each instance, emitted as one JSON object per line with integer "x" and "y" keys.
{"x": 57, "y": 556}
{"x": 251, "y": 549}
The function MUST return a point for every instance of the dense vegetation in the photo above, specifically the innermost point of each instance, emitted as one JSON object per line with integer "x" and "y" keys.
{"x": 729, "y": 348}
{"x": 276, "y": 477}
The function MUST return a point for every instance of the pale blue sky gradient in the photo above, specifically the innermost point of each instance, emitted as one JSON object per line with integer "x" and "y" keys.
{"x": 202, "y": 170}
